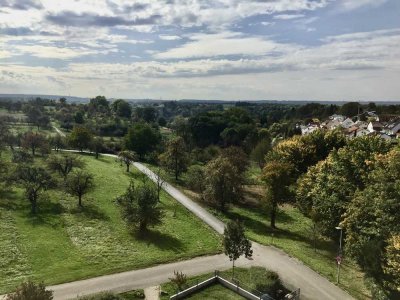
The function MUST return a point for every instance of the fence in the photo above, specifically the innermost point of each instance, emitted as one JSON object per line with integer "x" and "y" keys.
{"x": 235, "y": 287}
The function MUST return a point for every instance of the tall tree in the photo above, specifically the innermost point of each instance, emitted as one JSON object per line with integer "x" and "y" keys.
{"x": 235, "y": 243}
{"x": 175, "y": 157}
{"x": 79, "y": 183}
{"x": 121, "y": 108}
{"x": 96, "y": 146}
{"x": 140, "y": 206}
{"x": 142, "y": 139}
{"x": 35, "y": 180}
{"x": 237, "y": 157}
{"x": 277, "y": 178}
{"x": 260, "y": 151}
{"x": 223, "y": 183}
{"x": 32, "y": 141}
{"x": 80, "y": 138}
{"x": 127, "y": 157}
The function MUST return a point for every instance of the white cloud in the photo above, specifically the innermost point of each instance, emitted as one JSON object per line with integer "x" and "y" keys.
{"x": 288, "y": 17}
{"x": 349, "y": 5}
{"x": 169, "y": 37}
{"x": 222, "y": 44}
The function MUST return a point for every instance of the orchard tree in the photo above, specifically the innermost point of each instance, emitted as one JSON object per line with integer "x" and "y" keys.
{"x": 127, "y": 157}
{"x": 31, "y": 291}
{"x": 57, "y": 142}
{"x": 80, "y": 138}
{"x": 175, "y": 158}
{"x": 142, "y": 138}
{"x": 237, "y": 157}
{"x": 277, "y": 178}
{"x": 235, "y": 243}
{"x": 96, "y": 146}
{"x": 64, "y": 163}
{"x": 195, "y": 178}
{"x": 35, "y": 180}
{"x": 32, "y": 141}
{"x": 79, "y": 183}
{"x": 140, "y": 206}
{"x": 223, "y": 183}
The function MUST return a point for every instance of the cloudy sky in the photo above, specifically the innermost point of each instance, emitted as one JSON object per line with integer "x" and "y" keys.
{"x": 203, "y": 49}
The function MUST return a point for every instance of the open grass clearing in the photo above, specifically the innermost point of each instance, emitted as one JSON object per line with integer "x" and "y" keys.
{"x": 64, "y": 243}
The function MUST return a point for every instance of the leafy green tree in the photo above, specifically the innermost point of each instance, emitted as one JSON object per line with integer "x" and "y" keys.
{"x": 80, "y": 138}
{"x": 235, "y": 243}
{"x": 96, "y": 146}
{"x": 223, "y": 183}
{"x": 147, "y": 114}
{"x": 195, "y": 178}
{"x": 260, "y": 151}
{"x": 127, "y": 157}
{"x": 372, "y": 223}
{"x": 35, "y": 180}
{"x": 32, "y": 141}
{"x": 79, "y": 183}
{"x": 4, "y": 134}
{"x": 277, "y": 178}
{"x": 121, "y": 108}
{"x": 142, "y": 139}
{"x": 57, "y": 142}
{"x": 350, "y": 109}
{"x": 31, "y": 291}
{"x": 175, "y": 158}
{"x": 140, "y": 206}
{"x": 64, "y": 163}
{"x": 237, "y": 157}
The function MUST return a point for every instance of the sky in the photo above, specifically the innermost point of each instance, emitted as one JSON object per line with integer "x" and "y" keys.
{"x": 344, "y": 50}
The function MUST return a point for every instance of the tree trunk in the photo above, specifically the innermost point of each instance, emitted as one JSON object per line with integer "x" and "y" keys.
{"x": 127, "y": 166}
{"x": 273, "y": 215}
{"x": 233, "y": 269}
{"x": 80, "y": 200}
{"x": 142, "y": 226}
{"x": 33, "y": 206}
{"x": 33, "y": 151}
{"x": 97, "y": 154}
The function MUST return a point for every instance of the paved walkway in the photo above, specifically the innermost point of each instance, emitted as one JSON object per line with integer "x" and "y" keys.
{"x": 292, "y": 272}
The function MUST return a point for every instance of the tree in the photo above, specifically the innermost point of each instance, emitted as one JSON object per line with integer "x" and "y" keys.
{"x": 57, "y": 142}
{"x": 235, "y": 242}
{"x": 175, "y": 158}
{"x": 140, "y": 206}
{"x": 80, "y": 138}
{"x": 32, "y": 141}
{"x": 277, "y": 178}
{"x": 4, "y": 134}
{"x": 237, "y": 157}
{"x": 79, "y": 183}
{"x": 121, "y": 108}
{"x": 160, "y": 182}
{"x": 222, "y": 183}
{"x": 142, "y": 139}
{"x": 179, "y": 279}
{"x": 127, "y": 157}
{"x": 96, "y": 146}
{"x": 64, "y": 163}
{"x": 372, "y": 224}
{"x": 195, "y": 178}
{"x": 31, "y": 291}
{"x": 34, "y": 180}
{"x": 260, "y": 151}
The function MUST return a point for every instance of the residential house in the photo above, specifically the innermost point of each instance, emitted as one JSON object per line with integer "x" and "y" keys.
{"x": 374, "y": 126}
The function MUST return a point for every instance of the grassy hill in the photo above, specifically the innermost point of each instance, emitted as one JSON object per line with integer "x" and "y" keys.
{"x": 64, "y": 243}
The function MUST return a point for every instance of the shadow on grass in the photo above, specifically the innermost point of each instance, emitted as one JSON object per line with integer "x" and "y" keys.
{"x": 162, "y": 241}
{"x": 48, "y": 214}
{"x": 89, "y": 211}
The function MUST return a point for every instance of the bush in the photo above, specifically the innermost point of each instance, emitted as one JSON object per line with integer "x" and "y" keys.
{"x": 31, "y": 291}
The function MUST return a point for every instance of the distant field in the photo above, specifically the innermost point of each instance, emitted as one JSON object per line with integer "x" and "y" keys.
{"x": 63, "y": 243}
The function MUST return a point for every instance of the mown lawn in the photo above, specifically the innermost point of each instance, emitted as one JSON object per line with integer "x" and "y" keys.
{"x": 64, "y": 243}
{"x": 294, "y": 235}
{"x": 256, "y": 280}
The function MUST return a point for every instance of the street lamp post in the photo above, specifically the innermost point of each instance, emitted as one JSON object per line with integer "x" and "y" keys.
{"x": 339, "y": 257}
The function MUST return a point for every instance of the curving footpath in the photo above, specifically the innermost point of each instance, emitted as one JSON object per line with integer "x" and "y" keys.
{"x": 292, "y": 272}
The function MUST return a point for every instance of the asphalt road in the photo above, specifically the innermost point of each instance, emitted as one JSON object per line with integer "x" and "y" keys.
{"x": 292, "y": 272}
